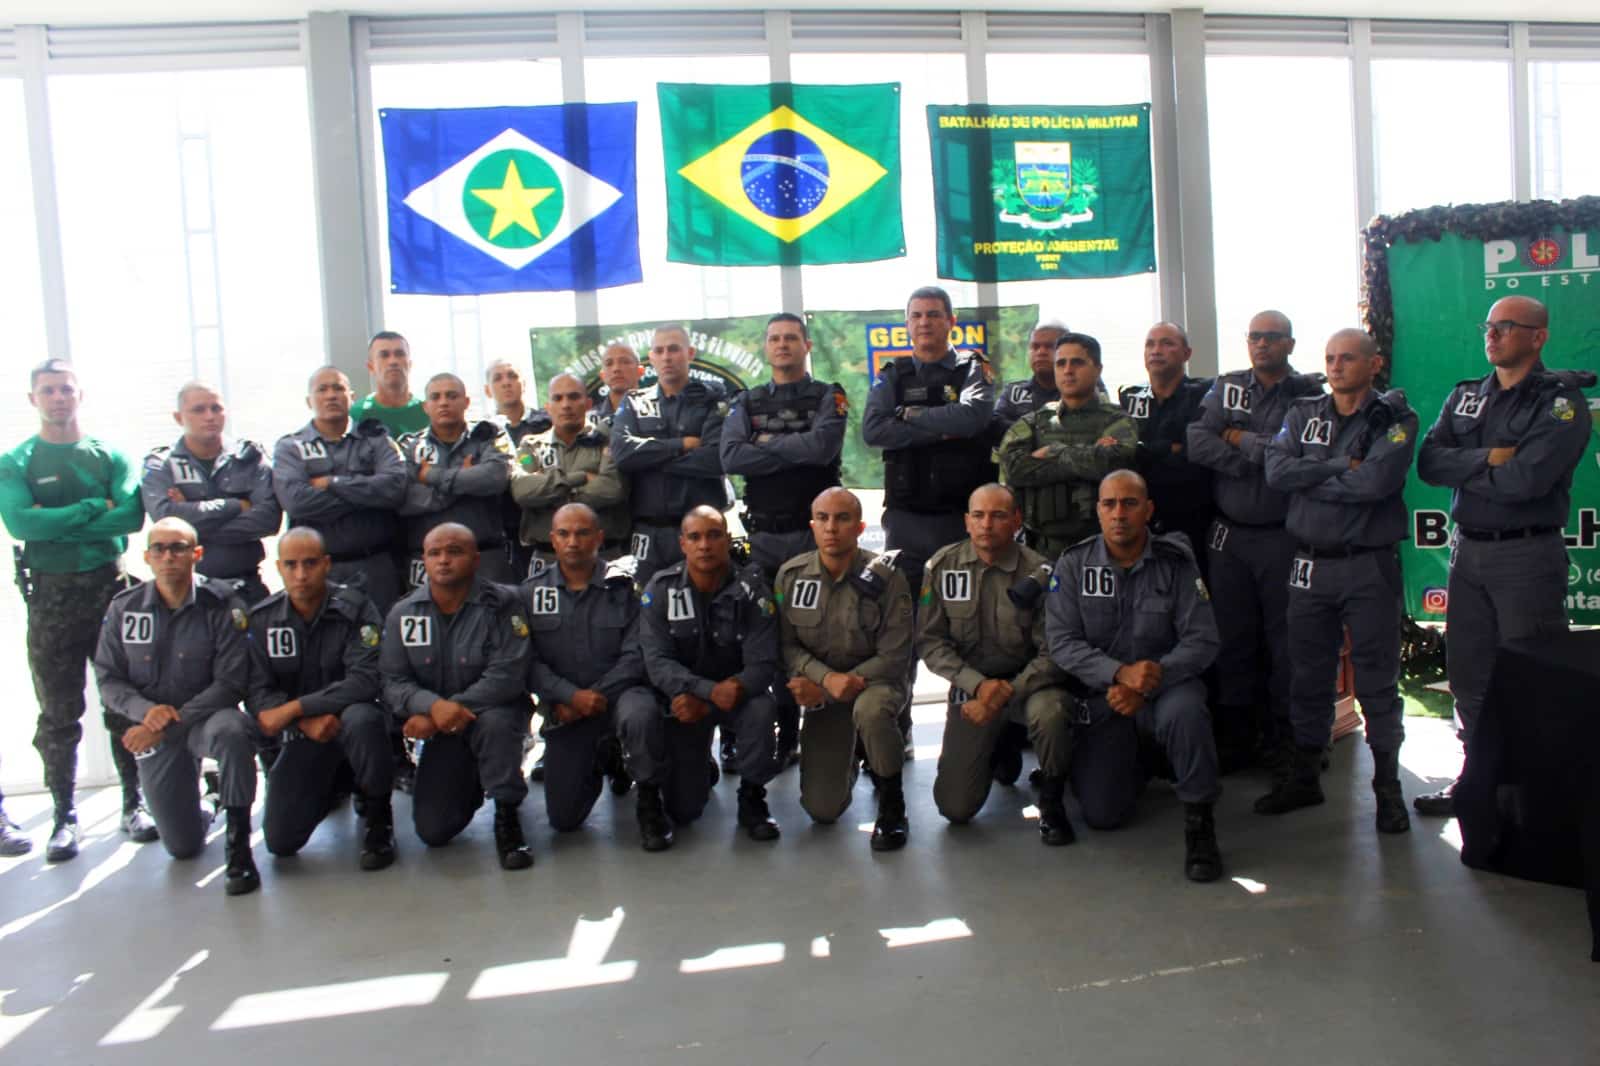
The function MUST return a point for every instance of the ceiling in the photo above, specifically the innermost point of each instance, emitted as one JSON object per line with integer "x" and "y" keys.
{"x": 120, "y": 12}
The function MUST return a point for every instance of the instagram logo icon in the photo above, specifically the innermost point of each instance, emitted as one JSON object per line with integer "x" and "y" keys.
{"x": 1435, "y": 600}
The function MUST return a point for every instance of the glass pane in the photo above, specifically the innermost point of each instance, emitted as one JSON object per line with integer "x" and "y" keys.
{"x": 1441, "y": 132}
{"x": 1283, "y": 199}
{"x": 199, "y": 262}
{"x": 463, "y": 334}
{"x": 1566, "y": 153}
{"x": 675, "y": 291}
{"x": 1117, "y": 311}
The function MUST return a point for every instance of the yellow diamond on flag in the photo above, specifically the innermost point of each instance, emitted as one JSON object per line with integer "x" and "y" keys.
{"x": 784, "y": 174}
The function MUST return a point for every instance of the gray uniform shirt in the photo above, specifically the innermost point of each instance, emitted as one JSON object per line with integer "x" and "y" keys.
{"x": 327, "y": 663}
{"x": 1544, "y": 416}
{"x": 1100, "y": 617}
{"x": 553, "y": 474}
{"x": 194, "y": 659}
{"x": 477, "y": 657}
{"x": 1330, "y": 505}
{"x": 1240, "y": 401}
{"x": 647, "y": 443}
{"x": 970, "y": 629}
{"x": 859, "y": 623}
{"x": 213, "y": 494}
{"x": 355, "y": 513}
{"x": 588, "y": 639}
{"x": 453, "y": 491}
{"x": 692, "y": 641}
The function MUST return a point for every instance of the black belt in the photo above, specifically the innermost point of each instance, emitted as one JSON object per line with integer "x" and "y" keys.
{"x": 1507, "y": 534}
{"x": 1225, "y": 520}
{"x": 1338, "y": 553}
{"x": 775, "y": 523}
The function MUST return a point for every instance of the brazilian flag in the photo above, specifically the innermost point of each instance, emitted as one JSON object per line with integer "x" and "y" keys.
{"x": 782, "y": 174}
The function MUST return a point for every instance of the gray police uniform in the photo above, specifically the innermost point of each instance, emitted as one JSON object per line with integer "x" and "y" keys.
{"x": 466, "y": 482}
{"x": 1508, "y": 562}
{"x": 803, "y": 423}
{"x": 1249, "y": 549}
{"x": 982, "y": 621}
{"x": 329, "y": 664}
{"x": 356, "y": 512}
{"x": 692, "y": 642}
{"x": 477, "y": 657}
{"x": 1179, "y": 487}
{"x": 1100, "y": 617}
{"x": 932, "y": 422}
{"x": 585, "y": 639}
{"x": 666, "y": 482}
{"x": 214, "y": 491}
{"x": 554, "y": 474}
{"x": 1346, "y": 571}
{"x": 859, "y": 624}
{"x": 605, "y": 407}
{"x": 195, "y": 660}
{"x": 1017, "y": 398}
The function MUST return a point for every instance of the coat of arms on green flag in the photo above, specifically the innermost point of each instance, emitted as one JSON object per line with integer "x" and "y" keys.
{"x": 759, "y": 175}
{"x": 1024, "y": 192}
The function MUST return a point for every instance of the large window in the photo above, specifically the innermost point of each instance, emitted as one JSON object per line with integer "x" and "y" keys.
{"x": 1117, "y": 311}
{"x": 1566, "y": 152}
{"x": 1441, "y": 132}
{"x": 1283, "y": 200}
{"x": 189, "y": 242}
{"x": 675, "y": 291}
{"x": 463, "y": 334}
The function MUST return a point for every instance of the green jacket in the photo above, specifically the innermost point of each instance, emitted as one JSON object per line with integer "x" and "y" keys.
{"x": 53, "y": 498}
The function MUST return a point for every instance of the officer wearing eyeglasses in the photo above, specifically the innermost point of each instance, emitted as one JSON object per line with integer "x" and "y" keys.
{"x": 1505, "y": 445}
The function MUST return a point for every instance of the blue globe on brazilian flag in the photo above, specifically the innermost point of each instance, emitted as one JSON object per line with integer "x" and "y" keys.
{"x": 759, "y": 175}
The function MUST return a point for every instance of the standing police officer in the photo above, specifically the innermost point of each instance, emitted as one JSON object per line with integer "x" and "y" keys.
{"x": 344, "y": 479}
{"x": 1343, "y": 460}
{"x": 1129, "y": 618}
{"x": 981, "y": 628}
{"x": 1161, "y": 410}
{"x": 454, "y": 660}
{"x": 173, "y": 664}
{"x": 314, "y": 679}
{"x": 619, "y": 375}
{"x": 711, "y": 652}
{"x": 1506, "y": 445}
{"x": 584, "y": 618}
{"x": 570, "y": 462}
{"x": 72, "y": 500}
{"x": 503, "y": 385}
{"x": 665, "y": 439}
{"x": 456, "y": 472}
{"x": 1057, "y": 455}
{"x": 1249, "y": 549}
{"x": 224, "y": 493}
{"x": 1017, "y": 398}
{"x": 846, "y": 640}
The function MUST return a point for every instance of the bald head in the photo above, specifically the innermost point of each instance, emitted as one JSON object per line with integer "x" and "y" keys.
{"x": 302, "y": 538}
{"x": 1124, "y": 482}
{"x": 1524, "y": 309}
{"x": 835, "y": 499}
{"x": 168, "y": 527}
{"x": 1352, "y": 363}
{"x": 1358, "y": 339}
{"x": 449, "y": 533}
{"x": 573, "y": 513}
{"x": 702, "y": 513}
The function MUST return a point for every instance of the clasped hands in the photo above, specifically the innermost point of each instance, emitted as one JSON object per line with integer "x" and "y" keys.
{"x": 1133, "y": 683}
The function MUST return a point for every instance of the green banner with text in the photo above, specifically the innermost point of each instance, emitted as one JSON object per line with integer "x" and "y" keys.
{"x": 1441, "y": 290}
{"x": 1024, "y": 192}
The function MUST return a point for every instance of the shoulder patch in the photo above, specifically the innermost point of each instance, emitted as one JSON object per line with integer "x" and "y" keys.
{"x": 241, "y": 621}
{"x": 519, "y": 625}
{"x": 1562, "y": 410}
{"x": 841, "y": 402}
{"x": 1397, "y": 434}
{"x": 369, "y": 636}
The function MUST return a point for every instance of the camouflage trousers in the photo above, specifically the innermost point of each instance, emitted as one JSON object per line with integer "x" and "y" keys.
{"x": 64, "y": 616}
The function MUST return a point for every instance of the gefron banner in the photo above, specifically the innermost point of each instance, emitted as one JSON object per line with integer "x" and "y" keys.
{"x": 1023, "y": 192}
{"x": 1441, "y": 290}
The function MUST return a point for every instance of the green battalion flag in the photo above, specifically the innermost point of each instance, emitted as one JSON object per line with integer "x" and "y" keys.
{"x": 781, "y": 174}
{"x": 1025, "y": 192}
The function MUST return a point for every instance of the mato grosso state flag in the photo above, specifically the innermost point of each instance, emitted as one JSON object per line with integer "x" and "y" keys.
{"x": 511, "y": 199}
{"x": 1023, "y": 192}
{"x": 759, "y": 175}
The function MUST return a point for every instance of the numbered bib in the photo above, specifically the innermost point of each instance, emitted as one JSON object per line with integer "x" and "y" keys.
{"x": 1317, "y": 431}
{"x": 807, "y": 594}
{"x": 315, "y": 448}
{"x": 1470, "y": 405}
{"x": 1300, "y": 573}
{"x": 1099, "y": 581}
{"x": 641, "y": 545}
{"x": 418, "y": 574}
{"x": 646, "y": 406}
{"x": 1235, "y": 397}
{"x": 546, "y": 600}
{"x": 1139, "y": 406}
{"x": 955, "y": 586}
{"x": 416, "y": 631}
{"x": 680, "y": 605}
{"x": 185, "y": 472}
{"x": 1021, "y": 394}
{"x": 281, "y": 643}
{"x": 138, "y": 627}
{"x": 1219, "y": 536}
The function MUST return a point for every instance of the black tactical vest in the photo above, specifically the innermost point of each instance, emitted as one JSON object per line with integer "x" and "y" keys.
{"x": 934, "y": 478}
{"x": 781, "y": 503}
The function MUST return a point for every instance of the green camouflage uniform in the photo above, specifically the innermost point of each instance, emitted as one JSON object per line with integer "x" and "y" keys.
{"x": 1058, "y": 492}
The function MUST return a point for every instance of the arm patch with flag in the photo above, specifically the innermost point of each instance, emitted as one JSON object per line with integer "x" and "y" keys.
{"x": 511, "y": 199}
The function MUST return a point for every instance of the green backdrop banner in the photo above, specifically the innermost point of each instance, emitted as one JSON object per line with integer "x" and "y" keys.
{"x": 1028, "y": 192}
{"x": 730, "y": 351}
{"x": 1441, "y": 290}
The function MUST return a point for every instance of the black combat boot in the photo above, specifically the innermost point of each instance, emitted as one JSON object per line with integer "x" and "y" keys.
{"x": 891, "y": 829}
{"x": 1440, "y": 804}
{"x": 1202, "y": 859}
{"x": 241, "y": 876}
{"x": 63, "y": 843}
{"x": 730, "y": 753}
{"x": 1391, "y": 816}
{"x": 655, "y": 828}
{"x": 377, "y": 843}
{"x": 1005, "y": 764}
{"x": 508, "y": 840}
{"x": 753, "y": 813}
{"x": 1055, "y": 828}
{"x": 614, "y": 766}
{"x": 1301, "y": 787}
